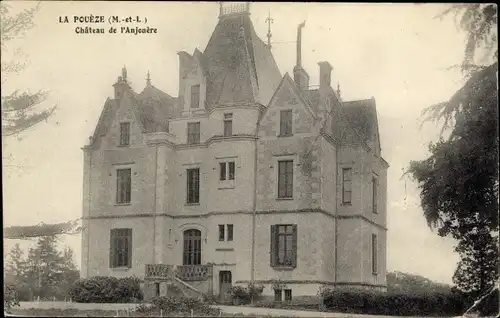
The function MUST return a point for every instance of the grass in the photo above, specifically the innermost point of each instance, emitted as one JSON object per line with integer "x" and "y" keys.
{"x": 104, "y": 313}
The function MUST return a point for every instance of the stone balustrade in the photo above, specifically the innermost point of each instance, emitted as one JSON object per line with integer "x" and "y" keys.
{"x": 183, "y": 272}
{"x": 159, "y": 271}
{"x": 194, "y": 272}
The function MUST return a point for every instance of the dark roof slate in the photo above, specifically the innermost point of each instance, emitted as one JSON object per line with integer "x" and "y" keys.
{"x": 355, "y": 121}
{"x": 240, "y": 67}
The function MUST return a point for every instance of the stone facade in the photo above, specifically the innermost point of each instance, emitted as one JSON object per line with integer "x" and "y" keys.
{"x": 333, "y": 241}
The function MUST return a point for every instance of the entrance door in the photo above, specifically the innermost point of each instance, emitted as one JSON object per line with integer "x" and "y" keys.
{"x": 225, "y": 280}
{"x": 192, "y": 247}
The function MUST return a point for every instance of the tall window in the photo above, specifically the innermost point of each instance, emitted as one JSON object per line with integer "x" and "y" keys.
{"x": 285, "y": 179}
{"x": 192, "y": 247}
{"x": 228, "y": 125}
{"x": 284, "y": 245}
{"x": 346, "y": 185}
{"x": 374, "y": 254}
{"x": 124, "y": 134}
{"x": 374, "y": 194}
{"x": 193, "y": 133}
{"x": 229, "y": 232}
{"x": 193, "y": 185}
{"x": 226, "y": 170}
{"x": 123, "y": 185}
{"x": 120, "y": 248}
{"x": 222, "y": 234}
{"x": 286, "y": 123}
{"x": 195, "y": 96}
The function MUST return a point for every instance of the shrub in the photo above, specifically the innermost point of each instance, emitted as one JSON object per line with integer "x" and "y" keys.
{"x": 11, "y": 297}
{"x": 400, "y": 304}
{"x": 102, "y": 289}
{"x": 242, "y": 295}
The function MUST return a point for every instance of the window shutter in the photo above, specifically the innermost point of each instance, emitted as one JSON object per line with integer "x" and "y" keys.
{"x": 273, "y": 245}
{"x": 129, "y": 248}
{"x": 111, "y": 250}
{"x": 294, "y": 245}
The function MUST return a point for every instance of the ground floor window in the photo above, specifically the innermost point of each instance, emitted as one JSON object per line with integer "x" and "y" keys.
{"x": 288, "y": 295}
{"x": 277, "y": 294}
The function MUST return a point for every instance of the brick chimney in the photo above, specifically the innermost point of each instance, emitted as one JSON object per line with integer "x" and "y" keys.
{"x": 300, "y": 75}
{"x": 325, "y": 74}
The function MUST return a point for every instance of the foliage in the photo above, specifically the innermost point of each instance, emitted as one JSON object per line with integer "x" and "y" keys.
{"x": 18, "y": 109}
{"x": 103, "y": 289}
{"x": 409, "y": 283}
{"x": 478, "y": 266}
{"x": 11, "y": 297}
{"x": 45, "y": 272}
{"x": 42, "y": 229}
{"x": 244, "y": 295}
{"x": 479, "y": 22}
{"x": 399, "y": 304}
{"x": 459, "y": 180}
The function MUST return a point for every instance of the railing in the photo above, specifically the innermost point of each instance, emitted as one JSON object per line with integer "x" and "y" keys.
{"x": 194, "y": 272}
{"x": 234, "y": 8}
{"x": 159, "y": 270}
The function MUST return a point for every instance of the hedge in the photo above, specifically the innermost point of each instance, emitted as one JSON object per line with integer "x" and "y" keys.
{"x": 399, "y": 304}
{"x": 102, "y": 289}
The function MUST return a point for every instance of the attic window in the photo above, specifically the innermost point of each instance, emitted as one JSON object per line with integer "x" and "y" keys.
{"x": 124, "y": 134}
{"x": 286, "y": 123}
{"x": 195, "y": 96}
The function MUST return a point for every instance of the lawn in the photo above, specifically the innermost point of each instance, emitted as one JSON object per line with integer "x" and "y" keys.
{"x": 103, "y": 313}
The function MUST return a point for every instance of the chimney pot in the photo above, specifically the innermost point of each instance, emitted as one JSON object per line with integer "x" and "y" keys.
{"x": 325, "y": 74}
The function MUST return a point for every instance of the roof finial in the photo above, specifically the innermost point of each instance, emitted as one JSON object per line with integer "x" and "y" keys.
{"x": 269, "y": 20}
{"x": 221, "y": 12}
{"x": 338, "y": 89}
{"x": 148, "y": 79}
{"x": 124, "y": 73}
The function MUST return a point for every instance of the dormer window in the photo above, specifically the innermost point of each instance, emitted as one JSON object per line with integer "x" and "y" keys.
{"x": 124, "y": 134}
{"x": 286, "y": 123}
{"x": 195, "y": 96}
{"x": 228, "y": 124}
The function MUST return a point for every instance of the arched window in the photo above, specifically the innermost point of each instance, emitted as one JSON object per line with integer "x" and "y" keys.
{"x": 192, "y": 247}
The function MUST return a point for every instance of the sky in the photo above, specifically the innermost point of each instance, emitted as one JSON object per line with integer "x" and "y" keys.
{"x": 397, "y": 53}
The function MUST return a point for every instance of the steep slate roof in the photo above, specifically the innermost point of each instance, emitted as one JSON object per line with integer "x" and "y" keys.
{"x": 107, "y": 114}
{"x": 152, "y": 108}
{"x": 355, "y": 121}
{"x": 155, "y": 108}
{"x": 240, "y": 66}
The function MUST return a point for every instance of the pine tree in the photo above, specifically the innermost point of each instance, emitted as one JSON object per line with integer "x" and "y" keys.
{"x": 19, "y": 110}
{"x": 15, "y": 266}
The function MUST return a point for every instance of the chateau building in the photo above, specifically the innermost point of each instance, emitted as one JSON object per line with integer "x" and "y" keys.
{"x": 247, "y": 176}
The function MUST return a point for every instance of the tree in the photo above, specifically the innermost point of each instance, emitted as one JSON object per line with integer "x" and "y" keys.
{"x": 19, "y": 110}
{"x": 15, "y": 265}
{"x": 45, "y": 267}
{"x": 459, "y": 180}
{"x": 477, "y": 269}
{"x": 16, "y": 273}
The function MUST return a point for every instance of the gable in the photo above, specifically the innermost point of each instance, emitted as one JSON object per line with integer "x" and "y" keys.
{"x": 126, "y": 112}
{"x": 286, "y": 97}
